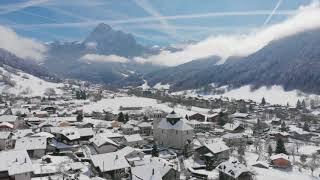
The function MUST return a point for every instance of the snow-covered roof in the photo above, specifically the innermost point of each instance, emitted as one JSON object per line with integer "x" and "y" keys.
{"x": 127, "y": 150}
{"x": 239, "y": 115}
{"x": 85, "y": 132}
{"x": 127, "y": 126}
{"x": 145, "y": 172}
{"x": 133, "y": 138}
{"x": 22, "y": 133}
{"x": 231, "y": 126}
{"x": 145, "y": 124}
{"x": 232, "y": 135}
{"x": 280, "y": 156}
{"x": 31, "y": 143}
{"x": 6, "y": 124}
{"x": 308, "y": 149}
{"x": 4, "y": 134}
{"x": 109, "y": 161}
{"x": 100, "y": 140}
{"x": 173, "y": 115}
{"x": 8, "y": 118}
{"x": 43, "y": 134}
{"x": 217, "y": 147}
{"x": 181, "y": 125}
{"x": 15, "y": 162}
{"x": 232, "y": 168}
{"x": 71, "y": 133}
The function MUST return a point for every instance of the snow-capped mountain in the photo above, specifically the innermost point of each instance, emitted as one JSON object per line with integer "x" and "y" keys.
{"x": 292, "y": 62}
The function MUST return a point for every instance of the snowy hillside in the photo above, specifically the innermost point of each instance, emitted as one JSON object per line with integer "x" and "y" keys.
{"x": 273, "y": 95}
{"x": 20, "y": 83}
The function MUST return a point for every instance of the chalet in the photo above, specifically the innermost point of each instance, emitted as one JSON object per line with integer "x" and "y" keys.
{"x": 284, "y": 136}
{"x": 111, "y": 165}
{"x": 49, "y": 109}
{"x": 102, "y": 144}
{"x": 198, "y": 117}
{"x": 122, "y": 108}
{"x": 145, "y": 128}
{"x": 35, "y": 146}
{"x": 70, "y": 136}
{"x": 15, "y": 165}
{"x": 212, "y": 153}
{"x": 9, "y": 118}
{"x": 276, "y": 121}
{"x": 238, "y": 115}
{"x": 40, "y": 114}
{"x": 234, "y": 139}
{"x": 155, "y": 168}
{"x": 200, "y": 126}
{"x": 134, "y": 140}
{"x": 280, "y": 161}
{"x": 6, "y": 140}
{"x": 127, "y": 129}
{"x": 5, "y": 126}
{"x": 132, "y": 155}
{"x": 234, "y": 171}
{"x": 213, "y": 117}
{"x": 235, "y": 127}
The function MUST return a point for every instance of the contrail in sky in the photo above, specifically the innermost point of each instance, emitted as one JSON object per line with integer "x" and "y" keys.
{"x": 272, "y": 13}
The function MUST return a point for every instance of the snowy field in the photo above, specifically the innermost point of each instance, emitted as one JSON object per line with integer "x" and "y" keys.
{"x": 113, "y": 105}
{"x": 273, "y": 95}
{"x": 278, "y": 174}
{"x": 28, "y": 84}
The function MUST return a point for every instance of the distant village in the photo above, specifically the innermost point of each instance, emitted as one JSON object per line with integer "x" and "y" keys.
{"x": 66, "y": 137}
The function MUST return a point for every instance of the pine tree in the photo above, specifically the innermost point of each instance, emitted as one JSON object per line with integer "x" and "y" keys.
{"x": 79, "y": 117}
{"x": 280, "y": 148}
{"x": 306, "y": 126}
{"x": 222, "y": 119}
{"x": 120, "y": 117}
{"x": 283, "y": 126}
{"x": 155, "y": 151}
{"x": 263, "y": 101}
{"x": 270, "y": 150}
{"x": 126, "y": 117}
{"x": 303, "y": 104}
{"x": 298, "y": 106}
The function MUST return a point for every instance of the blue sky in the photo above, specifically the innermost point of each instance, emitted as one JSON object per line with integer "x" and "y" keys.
{"x": 150, "y": 21}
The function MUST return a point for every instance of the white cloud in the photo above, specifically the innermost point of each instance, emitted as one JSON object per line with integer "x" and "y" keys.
{"x": 20, "y": 46}
{"x": 91, "y": 45}
{"x": 103, "y": 58}
{"x": 307, "y": 18}
{"x": 18, "y": 6}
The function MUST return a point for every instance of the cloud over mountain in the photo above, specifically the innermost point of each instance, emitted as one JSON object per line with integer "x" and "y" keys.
{"x": 22, "y": 47}
{"x": 306, "y": 18}
{"x": 103, "y": 58}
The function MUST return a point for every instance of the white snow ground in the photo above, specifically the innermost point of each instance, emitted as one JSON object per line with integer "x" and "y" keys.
{"x": 273, "y": 95}
{"x": 133, "y": 101}
{"x": 26, "y": 82}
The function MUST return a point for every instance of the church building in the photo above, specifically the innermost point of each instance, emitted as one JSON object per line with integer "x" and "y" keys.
{"x": 172, "y": 131}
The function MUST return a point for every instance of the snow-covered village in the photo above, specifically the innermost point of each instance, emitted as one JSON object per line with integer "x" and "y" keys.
{"x": 79, "y": 130}
{"x": 159, "y": 90}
